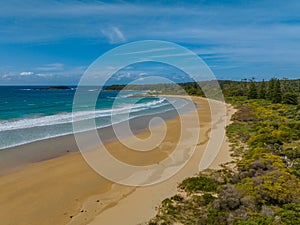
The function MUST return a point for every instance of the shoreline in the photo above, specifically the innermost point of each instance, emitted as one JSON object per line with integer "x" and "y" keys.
{"x": 21, "y": 156}
{"x": 78, "y": 195}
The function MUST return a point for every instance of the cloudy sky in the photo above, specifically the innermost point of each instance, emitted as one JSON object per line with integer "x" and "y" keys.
{"x": 53, "y": 42}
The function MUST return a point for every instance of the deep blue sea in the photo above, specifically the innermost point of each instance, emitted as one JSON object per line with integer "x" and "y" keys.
{"x": 28, "y": 114}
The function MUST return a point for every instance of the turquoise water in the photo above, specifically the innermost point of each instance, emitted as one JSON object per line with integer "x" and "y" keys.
{"x": 28, "y": 114}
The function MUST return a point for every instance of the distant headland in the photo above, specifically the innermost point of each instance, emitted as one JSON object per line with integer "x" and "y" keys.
{"x": 55, "y": 88}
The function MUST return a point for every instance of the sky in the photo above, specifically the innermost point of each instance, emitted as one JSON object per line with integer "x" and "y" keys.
{"x": 53, "y": 42}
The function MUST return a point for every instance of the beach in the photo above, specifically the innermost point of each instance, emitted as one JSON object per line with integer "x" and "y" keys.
{"x": 61, "y": 188}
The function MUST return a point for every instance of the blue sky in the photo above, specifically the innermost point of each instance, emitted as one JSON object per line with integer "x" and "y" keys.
{"x": 53, "y": 42}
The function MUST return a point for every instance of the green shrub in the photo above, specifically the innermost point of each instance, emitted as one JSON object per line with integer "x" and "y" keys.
{"x": 290, "y": 98}
{"x": 256, "y": 219}
{"x": 253, "y": 157}
{"x": 208, "y": 198}
{"x": 275, "y": 187}
{"x": 290, "y": 214}
{"x": 200, "y": 183}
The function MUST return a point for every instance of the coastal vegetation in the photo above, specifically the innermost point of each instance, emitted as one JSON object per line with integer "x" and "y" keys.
{"x": 263, "y": 186}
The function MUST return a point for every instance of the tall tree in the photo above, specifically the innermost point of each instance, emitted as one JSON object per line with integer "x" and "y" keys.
{"x": 252, "y": 92}
{"x": 262, "y": 90}
{"x": 270, "y": 89}
{"x": 277, "y": 94}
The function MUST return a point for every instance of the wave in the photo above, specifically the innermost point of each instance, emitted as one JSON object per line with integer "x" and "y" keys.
{"x": 126, "y": 96}
{"x": 42, "y": 126}
{"x": 27, "y": 141}
{"x": 69, "y": 117}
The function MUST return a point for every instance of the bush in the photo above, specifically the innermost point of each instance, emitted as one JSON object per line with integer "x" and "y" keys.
{"x": 257, "y": 219}
{"x": 261, "y": 140}
{"x": 229, "y": 197}
{"x": 290, "y": 98}
{"x": 275, "y": 187}
{"x": 258, "y": 159}
{"x": 200, "y": 183}
{"x": 290, "y": 214}
{"x": 208, "y": 198}
{"x": 291, "y": 153}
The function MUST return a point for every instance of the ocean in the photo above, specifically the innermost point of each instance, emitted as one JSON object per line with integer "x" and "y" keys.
{"x": 29, "y": 114}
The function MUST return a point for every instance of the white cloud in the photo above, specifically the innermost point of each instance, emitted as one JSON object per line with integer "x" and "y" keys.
{"x": 126, "y": 75}
{"x": 51, "y": 67}
{"x": 146, "y": 51}
{"x": 26, "y": 73}
{"x": 173, "y": 55}
{"x": 114, "y": 35}
{"x": 143, "y": 74}
{"x": 6, "y": 76}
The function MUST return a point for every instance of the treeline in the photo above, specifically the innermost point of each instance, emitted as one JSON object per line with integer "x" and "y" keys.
{"x": 151, "y": 88}
{"x": 277, "y": 91}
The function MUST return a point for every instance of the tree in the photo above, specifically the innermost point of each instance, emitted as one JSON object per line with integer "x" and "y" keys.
{"x": 262, "y": 90}
{"x": 277, "y": 95}
{"x": 252, "y": 92}
{"x": 270, "y": 89}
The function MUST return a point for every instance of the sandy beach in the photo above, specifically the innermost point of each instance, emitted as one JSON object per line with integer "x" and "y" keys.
{"x": 65, "y": 190}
